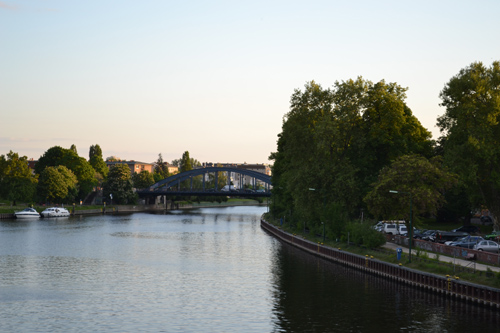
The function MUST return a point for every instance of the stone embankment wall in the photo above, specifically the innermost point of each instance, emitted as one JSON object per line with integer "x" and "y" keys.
{"x": 435, "y": 283}
{"x": 447, "y": 250}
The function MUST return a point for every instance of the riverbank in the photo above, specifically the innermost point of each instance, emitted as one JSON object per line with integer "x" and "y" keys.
{"x": 450, "y": 286}
{"x": 110, "y": 209}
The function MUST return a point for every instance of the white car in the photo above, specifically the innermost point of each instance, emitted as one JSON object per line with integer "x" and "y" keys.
{"x": 486, "y": 245}
{"x": 391, "y": 229}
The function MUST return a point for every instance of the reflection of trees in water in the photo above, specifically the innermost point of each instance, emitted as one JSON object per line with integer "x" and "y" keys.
{"x": 315, "y": 294}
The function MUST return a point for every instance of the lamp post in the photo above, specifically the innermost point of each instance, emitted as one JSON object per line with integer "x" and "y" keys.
{"x": 410, "y": 233}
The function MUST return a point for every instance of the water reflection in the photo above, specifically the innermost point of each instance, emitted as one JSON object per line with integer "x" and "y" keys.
{"x": 312, "y": 294}
{"x": 205, "y": 270}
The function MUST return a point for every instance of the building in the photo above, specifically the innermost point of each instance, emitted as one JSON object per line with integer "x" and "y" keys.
{"x": 134, "y": 166}
{"x": 172, "y": 169}
{"x": 31, "y": 165}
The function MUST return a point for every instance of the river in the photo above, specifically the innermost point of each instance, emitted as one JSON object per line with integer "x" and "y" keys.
{"x": 203, "y": 270}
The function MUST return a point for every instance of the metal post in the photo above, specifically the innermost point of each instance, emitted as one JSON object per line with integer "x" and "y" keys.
{"x": 410, "y": 233}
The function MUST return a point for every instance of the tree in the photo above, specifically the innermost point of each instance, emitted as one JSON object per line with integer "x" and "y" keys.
{"x": 143, "y": 179}
{"x": 73, "y": 149}
{"x": 119, "y": 184}
{"x": 16, "y": 180}
{"x": 84, "y": 172}
{"x": 57, "y": 184}
{"x": 471, "y": 132}
{"x": 78, "y": 165}
{"x": 161, "y": 169}
{"x": 426, "y": 181}
{"x": 335, "y": 141}
{"x": 96, "y": 160}
{"x": 185, "y": 162}
{"x": 52, "y": 157}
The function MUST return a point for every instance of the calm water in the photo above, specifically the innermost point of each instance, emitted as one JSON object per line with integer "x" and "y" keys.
{"x": 207, "y": 270}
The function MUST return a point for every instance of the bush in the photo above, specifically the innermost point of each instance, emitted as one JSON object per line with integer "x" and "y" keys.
{"x": 364, "y": 234}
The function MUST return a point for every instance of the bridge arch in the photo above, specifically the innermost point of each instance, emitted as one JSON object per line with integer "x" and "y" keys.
{"x": 169, "y": 183}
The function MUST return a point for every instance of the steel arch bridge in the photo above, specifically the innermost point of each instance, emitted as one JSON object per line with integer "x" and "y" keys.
{"x": 171, "y": 185}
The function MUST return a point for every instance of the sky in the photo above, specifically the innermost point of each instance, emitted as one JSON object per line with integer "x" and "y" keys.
{"x": 214, "y": 78}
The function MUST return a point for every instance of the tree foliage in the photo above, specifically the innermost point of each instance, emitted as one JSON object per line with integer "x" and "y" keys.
{"x": 426, "y": 181}
{"x": 335, "y": 141}
{"x": 185, "y": 164}
{"x": 143, "y": 179}
{"x": 471, "y": 132}
{"x": 16, "y": 180}
{"x": 82, "y": 169}
{"x": 96, "y": 160}
{"x": 84, "y": 172}
{"x": 52, "y": 157}
{"x": 57, "y": 184}
{"x": 160, "y": 169}
{"x": 119, "y": 184}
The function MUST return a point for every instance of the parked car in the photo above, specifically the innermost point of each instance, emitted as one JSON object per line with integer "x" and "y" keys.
{"x": 446, "y": 237}
{"x": 468, "y": 242}
{"x": 391, "y": 229}
{"x": 424, "y": 234}
{"x": 418, "y": 233}
{"x": 485, "y": 219}
{"x": 429, "y": 235}
{"x": 487, "y": 245}
{"x": 379, "y": 226}
{"x": 495, "y": 235}
{"x": 470, "y": 229}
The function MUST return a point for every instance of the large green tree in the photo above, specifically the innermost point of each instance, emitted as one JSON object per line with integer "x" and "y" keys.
{"x": 57, "y": 184}
{"x": 185, "y": 164}
{"x": 471, "y": 132}
{"x": 52, "y": 157}
{"x": 413, "y": 176}
{"x": 83, "y": 171}
{"x": 16, "y": 180}
{"x": 335, "y": 141}
{"x": 160, "y": 169}
{"x": 96, "y": 160}
{"x": 80, "y": 167}
{"x": 119, "y": 185}
{"x": 142, "y": 179}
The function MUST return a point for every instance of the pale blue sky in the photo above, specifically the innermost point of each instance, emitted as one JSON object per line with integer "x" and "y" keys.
{"x": 215, "y": 77}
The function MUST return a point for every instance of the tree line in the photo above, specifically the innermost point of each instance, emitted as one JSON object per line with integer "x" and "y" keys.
{"x": 62, "y": 176}
{"x": 343, "y": 149}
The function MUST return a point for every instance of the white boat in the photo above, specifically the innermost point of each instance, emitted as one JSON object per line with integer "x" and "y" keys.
{"x": 55, "y": 212}
{"x": 27, "y": 213}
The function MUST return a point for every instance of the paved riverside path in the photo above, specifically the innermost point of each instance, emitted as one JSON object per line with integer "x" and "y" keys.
{"x": 457, "y": 261}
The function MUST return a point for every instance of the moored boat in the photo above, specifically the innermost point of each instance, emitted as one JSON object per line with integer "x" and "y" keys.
{"x": 27, "y": 213}
{"x": 55, "y": 212}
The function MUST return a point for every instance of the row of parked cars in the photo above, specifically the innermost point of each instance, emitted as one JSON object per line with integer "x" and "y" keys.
{"x": 465, "y": 236}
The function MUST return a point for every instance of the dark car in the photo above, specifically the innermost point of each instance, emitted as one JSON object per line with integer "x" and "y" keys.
{"x": 429, "y": 235}
{"x": 485, "y": 219}
{"x": 467, "y": 242}
{"x": 470, "y": 229}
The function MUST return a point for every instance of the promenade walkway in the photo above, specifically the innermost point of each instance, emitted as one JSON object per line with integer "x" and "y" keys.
{"x": 457, "y": 261}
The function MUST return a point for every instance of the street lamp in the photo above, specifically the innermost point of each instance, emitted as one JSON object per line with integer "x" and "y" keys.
{"x": 410, "y": 233}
